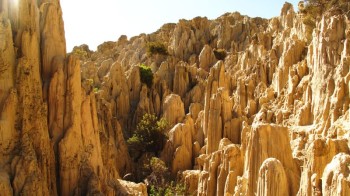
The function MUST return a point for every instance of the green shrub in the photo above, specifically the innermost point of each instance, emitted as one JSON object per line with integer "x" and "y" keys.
{"x": 160, "y": 181}
{"x": 220, "y": 54}
{"x": 96, "y": 89}
{"x": 146, "y": 75}
{"x": 169, "y": 190}
{"x": 156, "y": 48}
{"x": 149, "y": 135}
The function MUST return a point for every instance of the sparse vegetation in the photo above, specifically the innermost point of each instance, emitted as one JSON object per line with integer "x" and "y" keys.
{"x": 90, "y": 85}
{"x": 149, "y": 135}
{"x": 168, "y": 190}
{"x": 160, "y": 182}
{"x": 220, "y": 54}
{"x": 83, "y": 51}
{"x": 314, "y": 9}
{"x": 156, "y": 48}
{"x": 146, "y": 75}
{"x": 96, "y": 89}
{"x": 90, "y": 81}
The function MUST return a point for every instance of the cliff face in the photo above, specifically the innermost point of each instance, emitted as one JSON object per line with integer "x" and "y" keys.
{"x": 53, "y": 140}
{"x": 270, "y": 118}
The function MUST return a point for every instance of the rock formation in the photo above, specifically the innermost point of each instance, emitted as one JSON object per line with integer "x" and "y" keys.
{"x": 51, "y": 141}
{"x": 272, "y": 178}
{"x": 268, "y": 117}
{"x": 336, "y": 176}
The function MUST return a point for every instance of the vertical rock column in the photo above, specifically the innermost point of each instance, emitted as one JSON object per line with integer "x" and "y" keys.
{"x": 212, "y": 124}
{"x": 53, "y": 43}
{"x": 33, "y": 169}
{"x": 70, "y": 147}
{"x": 268, "y": 141}
{"x": 7, "y": 58}
{"x": 324, "y": 56}
{"x": 8, "y": 95}
{"x": 272, "y": 178}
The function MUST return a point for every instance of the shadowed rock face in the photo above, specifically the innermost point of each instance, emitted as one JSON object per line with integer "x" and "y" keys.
{"x": 271, "y": 118}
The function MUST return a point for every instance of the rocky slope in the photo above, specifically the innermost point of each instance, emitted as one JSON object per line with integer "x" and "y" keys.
{"x": 271, "y": 118}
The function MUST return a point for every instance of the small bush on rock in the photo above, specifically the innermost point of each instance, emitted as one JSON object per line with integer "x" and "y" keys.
{"x": 160, "y": 182}
{"x": 156, "y": 48}
{"x": 83, "y": 52}
{"x": 146, "y": 75}
{"x": 149, "y": 135}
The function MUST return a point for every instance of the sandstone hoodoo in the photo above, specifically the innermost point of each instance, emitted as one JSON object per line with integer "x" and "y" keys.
{"x": 230, "y": 106}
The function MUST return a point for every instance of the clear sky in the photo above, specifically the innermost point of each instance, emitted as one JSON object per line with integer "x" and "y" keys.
{"x": 92, "y": 22}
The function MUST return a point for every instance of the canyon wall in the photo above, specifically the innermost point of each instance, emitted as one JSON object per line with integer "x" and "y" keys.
{"x": 269, "y": 118}
{"x": 55, "y": 138}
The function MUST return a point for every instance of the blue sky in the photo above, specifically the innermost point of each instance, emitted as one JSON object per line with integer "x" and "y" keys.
{"x": 92, "y": 22}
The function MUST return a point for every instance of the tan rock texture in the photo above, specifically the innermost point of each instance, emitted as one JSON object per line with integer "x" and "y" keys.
{"x": 190, "y": 179}
{"x": 336, "y": 176}
{"x": 130, "y": 188}
{"x": 51, "y": 141}
{"x": 259, "y": 149}
{"x": 272, "y": 178}
{"x": 271, "y": 118}
{"x": 173, "y": 109}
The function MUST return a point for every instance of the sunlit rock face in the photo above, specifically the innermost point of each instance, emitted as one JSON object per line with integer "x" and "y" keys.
{"x": 53, "y": 142}
{"x": 254, "y": 106}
